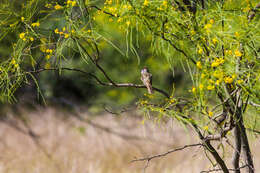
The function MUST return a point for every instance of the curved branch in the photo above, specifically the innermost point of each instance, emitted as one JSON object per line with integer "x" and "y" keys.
{"x": 166, "y": 153}
{"x": 118, "y": 85}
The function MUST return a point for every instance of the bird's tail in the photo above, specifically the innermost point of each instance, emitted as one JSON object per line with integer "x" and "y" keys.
{"x": 150, "y": 89}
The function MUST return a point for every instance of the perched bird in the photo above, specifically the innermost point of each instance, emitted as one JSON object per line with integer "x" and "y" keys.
{"x": 146, "y": 77}
{"x": 220, "y": 119}
{"x": 253, "y": 12}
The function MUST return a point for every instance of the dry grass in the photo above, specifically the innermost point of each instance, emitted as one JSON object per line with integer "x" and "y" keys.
{"x": 78, "y": 147}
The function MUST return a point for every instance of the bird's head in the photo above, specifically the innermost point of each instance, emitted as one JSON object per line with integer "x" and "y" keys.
{"x": 144, "y": 70}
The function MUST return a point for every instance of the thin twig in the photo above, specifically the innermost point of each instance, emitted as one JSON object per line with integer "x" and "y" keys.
{"x": 166, "y": 153}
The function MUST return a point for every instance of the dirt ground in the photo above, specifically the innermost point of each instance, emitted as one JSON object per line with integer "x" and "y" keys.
{"x": 50, "y": 141}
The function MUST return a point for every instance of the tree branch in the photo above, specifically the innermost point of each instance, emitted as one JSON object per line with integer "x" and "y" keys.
{"x": 118, "y": 85}
{"x": 166, "y": 153}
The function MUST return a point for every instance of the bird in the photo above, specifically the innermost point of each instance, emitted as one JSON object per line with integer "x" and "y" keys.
{"x": 252, "y": 12}
{"x": 220, "y": 119}
{"x": 146, "y": 77}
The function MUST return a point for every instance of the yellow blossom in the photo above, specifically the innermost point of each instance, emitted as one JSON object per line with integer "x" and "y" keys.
{"x": 57, "y": 7}
{"x": 236, "y": 34}
{"x": 165, "y": 3}
{"x": 201, "y": 86}
{"x": 110, "y": 20}
{"x": 22, "y": 35}
{"x": 217, "y": 62}
{"x": 146, "y": 2}
{"x": 119, "y": 19}
{"x": 200, "y": 51}
{"x": 238, "y": 53}
{"x": 210, "y": 114}
{"x": 66, "y": 35}
{"x": 198, "y": 64}
{"x": 56, "y": 31}
{"x": 31, "y": 38}
{"x": 218, "y": 82}
{"x": 13, "y": 61}
{"x": 16, "y": 65}
{"x": 208, "y": 26}
{"x": 212, "y": 21}
{"x": 89, "y": 31}
{"x": 228, "y": 80}
{"x": 73, "y": 3}
{"x": 48, "y": 57}
{"x": 36, "y": 24}
{"x": 193, "y": 89}
{"x": 206, "y": 128}
{"x": 72, "y": 31}
{"x": 202, "y": 75}
{"x": 128, "y": 23}
{"x": 239, "y": 81}
{"x": 214, "y": 40}
{"x": 228, "y": 52}
{"x": 22, "y": 19}
{"x": 64, "y": 29}
{"x": 210, "y": 87}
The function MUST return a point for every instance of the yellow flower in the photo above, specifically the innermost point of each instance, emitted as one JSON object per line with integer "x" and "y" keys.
{"x": 193, "y": 32}
{"x": 89, "y": 31}
{"x": 193, "y": 89}
{"x": 228, "y": 80}
{"x": 128, "y": 23}
{"x": 200, "y": 51}
{"x": 212, "y": 21}
{"x": 201, "y": 86}
{"x": 64, "y": 29}
{"x": 16, "y": 65}
{"x": 22, "y": 35}
{"x": 214, "y": 40}
{"x": 56, "y": 31}
{"x": 206, "y": 128}
{"x": 238, "y": 53}
{"x": 210, "y": 114}
{"x": 36, "y": 24}
{"x": 66, "y": 35}
{"x": 210, "y": 87}
{"x": 218, "y": 82}
{"x": 73, "y": 3}
{"x": 236, "y": 34}
{"x": 31, "y": 38}
{"x": 208, "y": 26}
{"x": 165, "y": 3}
{"x": 119, "y": 19}
{"x": 13, "y": 61}
{"x": 72, "y": 31}
{"x": 198, "y": 64}
{"x": 48, "y": 57}
{"x": 110, "y": 20}
{"x": 239, "y": 81}
{"x": 57, "y": 7}
{"x": 146, "y": 2}
{"x": 22, "y": 19}
{"x": 217, "y": 62}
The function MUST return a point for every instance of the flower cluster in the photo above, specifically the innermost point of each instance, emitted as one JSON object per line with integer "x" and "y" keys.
{"x": 24, "y": 36}
{"x": 217, "y": 62}
{"x": 63, "y": 32}
{"x": 35, "y": 24}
